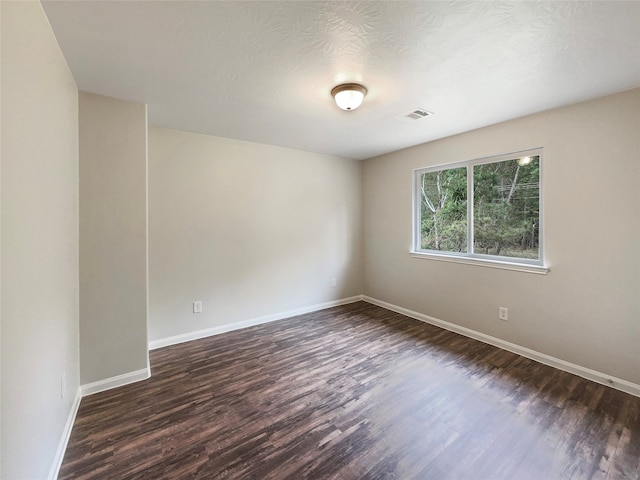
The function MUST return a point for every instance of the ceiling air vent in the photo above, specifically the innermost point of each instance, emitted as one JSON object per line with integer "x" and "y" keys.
{"x": 416, "y": 114}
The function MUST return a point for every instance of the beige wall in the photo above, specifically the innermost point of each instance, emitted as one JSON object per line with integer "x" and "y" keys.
{"x": 113, "y": 237}
{"x": 249, "y": 229}
{"x": 586, "y": 310}
{"x": 39, "y": 242}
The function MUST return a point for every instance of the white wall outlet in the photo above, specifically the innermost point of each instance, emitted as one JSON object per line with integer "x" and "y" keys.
{"x": 503, "y": 313}
{"x": 63, "y": 385}
{"x": 197, "y": 306}
{"x": 333, "y": 282}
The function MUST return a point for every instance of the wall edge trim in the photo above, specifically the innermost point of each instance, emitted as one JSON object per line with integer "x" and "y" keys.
{"x": 114, "y": 382}
{"x": 581, "y": 371}
{"x": 66, "y": 435}
{"x": 208, "y": 332}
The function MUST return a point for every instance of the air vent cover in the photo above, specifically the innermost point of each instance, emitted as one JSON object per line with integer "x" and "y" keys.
{"x": 416, "y": 114}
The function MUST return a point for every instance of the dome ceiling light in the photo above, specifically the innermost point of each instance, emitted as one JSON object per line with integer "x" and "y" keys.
{"x": 348, "y": 96}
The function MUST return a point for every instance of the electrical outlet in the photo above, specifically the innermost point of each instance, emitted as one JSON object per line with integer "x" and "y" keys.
{"x": 333, "y": 282}
{"x": 503, "y": 313}
{"x": 197, "y": 306}
{"x": 63, "y": 385}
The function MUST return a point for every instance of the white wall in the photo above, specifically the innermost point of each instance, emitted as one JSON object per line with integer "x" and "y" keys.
{"x": 587, "y": 309}
{"x": 0, "y": 239}
{"x": 249, "y": 229}
{"x": 39, "y": 242}
{"x": 113, "y": 237}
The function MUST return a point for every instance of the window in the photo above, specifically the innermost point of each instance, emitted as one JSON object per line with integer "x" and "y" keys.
{"x": 485, "y": 210}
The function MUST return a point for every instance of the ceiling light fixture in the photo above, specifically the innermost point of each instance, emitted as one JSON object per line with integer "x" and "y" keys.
{"x": 349, "y": 96}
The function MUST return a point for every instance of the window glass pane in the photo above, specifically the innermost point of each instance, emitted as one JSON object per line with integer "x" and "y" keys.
{"x": 443, "y": 210}
{"x": 506, "y": 206}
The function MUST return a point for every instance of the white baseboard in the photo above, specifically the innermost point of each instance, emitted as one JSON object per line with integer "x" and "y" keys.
{"x": 66, "y": 434}
{"x": 584, "y": 372}
{"x": 83, "y": 391}
{"x": 117, "y": 381}
{"x": 208, "y": 332}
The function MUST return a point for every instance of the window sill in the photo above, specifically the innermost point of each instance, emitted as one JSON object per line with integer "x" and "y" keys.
{"x": 518, "y": 267}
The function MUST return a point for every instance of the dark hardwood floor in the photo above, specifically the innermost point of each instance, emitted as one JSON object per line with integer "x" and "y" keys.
{"x": 353, "y": 392}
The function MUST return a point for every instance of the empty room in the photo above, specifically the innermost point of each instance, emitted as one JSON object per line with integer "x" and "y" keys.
{"x": 320, "y": 240}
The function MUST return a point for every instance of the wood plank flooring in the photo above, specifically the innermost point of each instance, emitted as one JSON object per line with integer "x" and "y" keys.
{"x": 353, "y": 392}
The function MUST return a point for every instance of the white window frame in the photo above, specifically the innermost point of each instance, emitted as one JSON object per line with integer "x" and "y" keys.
{"x": 493, "y": 261}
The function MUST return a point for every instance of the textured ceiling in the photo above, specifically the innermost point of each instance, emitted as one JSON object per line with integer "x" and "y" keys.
{"x": 262, "y": 71}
